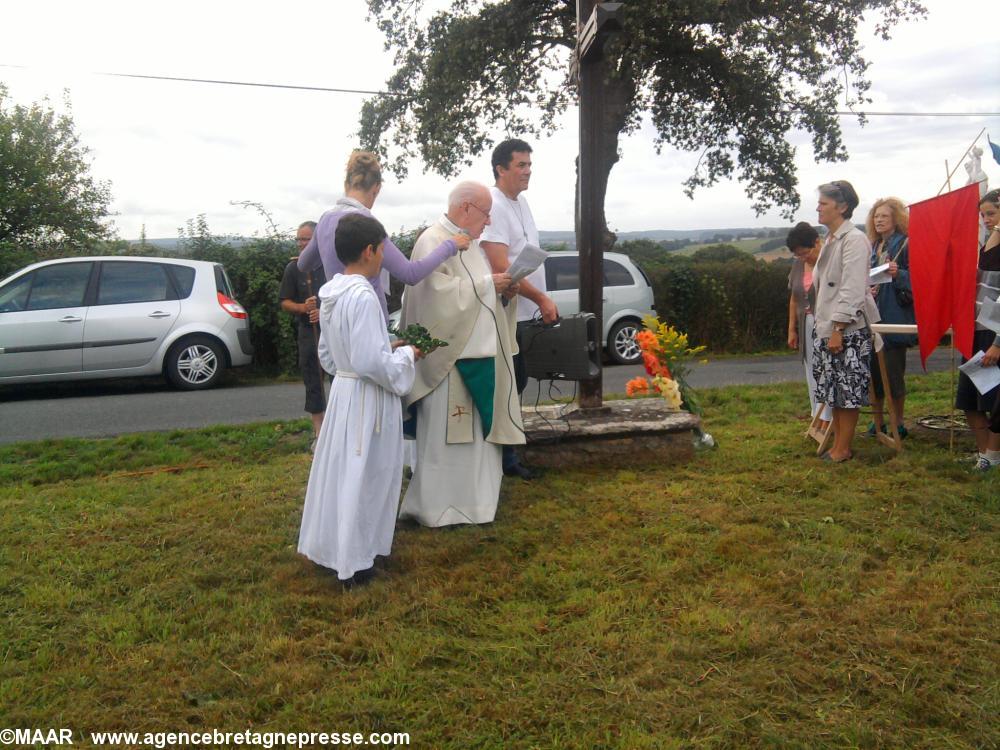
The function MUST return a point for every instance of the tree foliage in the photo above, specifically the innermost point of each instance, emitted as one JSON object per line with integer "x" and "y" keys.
{"x": 728, "y": 80}
{"x": 48, "y": 198}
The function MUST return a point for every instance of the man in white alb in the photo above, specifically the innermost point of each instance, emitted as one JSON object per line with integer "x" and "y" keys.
{"x": 512, "y": 227}
{"x": 464, "y": 397}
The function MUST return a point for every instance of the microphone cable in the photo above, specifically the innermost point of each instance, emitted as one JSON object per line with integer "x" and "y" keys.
{"x": 506, "y": 360}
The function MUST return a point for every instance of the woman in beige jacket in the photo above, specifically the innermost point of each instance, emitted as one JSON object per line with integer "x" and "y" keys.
{"x": 844, "y": 308}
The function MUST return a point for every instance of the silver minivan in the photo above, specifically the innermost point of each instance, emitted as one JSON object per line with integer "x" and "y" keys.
{"x": 119, "y": 316}
{"x": 628, "y": 297}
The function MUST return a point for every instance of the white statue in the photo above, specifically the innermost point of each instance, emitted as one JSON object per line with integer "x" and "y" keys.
{"x": 974, "y": 166}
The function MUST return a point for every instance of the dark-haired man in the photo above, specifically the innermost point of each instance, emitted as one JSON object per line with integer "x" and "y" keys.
{"x": 511, "y": 228}
{"x": 298, "y": 297}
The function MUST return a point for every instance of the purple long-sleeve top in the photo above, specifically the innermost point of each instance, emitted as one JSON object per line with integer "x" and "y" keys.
{"x": 321, "y": 250}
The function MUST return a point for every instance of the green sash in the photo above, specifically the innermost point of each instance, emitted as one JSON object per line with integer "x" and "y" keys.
{"x": 480, "y": 378}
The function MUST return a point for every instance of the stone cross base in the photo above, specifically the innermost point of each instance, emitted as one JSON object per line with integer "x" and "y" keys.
{"x": 632, "y": 430}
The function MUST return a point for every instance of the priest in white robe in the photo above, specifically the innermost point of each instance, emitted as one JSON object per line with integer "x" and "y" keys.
{"x": 465, "y": 401}
{"x": 353, "y": 493}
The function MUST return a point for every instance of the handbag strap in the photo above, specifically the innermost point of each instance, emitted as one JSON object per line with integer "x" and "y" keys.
{"x": 902, "y": 247}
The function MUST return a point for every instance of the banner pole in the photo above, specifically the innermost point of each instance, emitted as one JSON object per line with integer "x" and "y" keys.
{"x": 951, "y": 420}
{"x": 947, "y": 182}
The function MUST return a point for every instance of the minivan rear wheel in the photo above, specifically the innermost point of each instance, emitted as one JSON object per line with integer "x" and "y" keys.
{"x": 195, "y": 363}
{"x": 622, "y": 345}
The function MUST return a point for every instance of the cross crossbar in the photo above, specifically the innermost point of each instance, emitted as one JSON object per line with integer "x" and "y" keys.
{"x": 602, "y": 21}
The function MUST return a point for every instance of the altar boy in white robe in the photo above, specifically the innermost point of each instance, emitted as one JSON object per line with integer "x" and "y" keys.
{"x": 465, "y": 401}
{"x": 353, "y": 492}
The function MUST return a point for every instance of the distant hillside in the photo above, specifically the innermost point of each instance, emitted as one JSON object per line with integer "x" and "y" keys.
{"x": 167, "y": 243}
{"x": 173, "y": 243}
{"x": 697, "y": 236}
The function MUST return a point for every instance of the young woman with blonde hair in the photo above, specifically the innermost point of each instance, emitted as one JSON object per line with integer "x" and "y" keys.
{"x": 362, "y": 184}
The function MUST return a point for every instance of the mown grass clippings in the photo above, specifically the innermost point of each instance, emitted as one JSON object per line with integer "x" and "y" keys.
{"x": 754, "y": 597}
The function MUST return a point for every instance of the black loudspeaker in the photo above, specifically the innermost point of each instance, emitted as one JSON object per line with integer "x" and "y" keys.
{"x": 567, "y": 350}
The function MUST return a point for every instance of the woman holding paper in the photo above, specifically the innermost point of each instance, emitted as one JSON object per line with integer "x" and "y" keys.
{"x": 844, "y": 310}
{"x": 887, "y": 231}
{"x": 982, "y": 410}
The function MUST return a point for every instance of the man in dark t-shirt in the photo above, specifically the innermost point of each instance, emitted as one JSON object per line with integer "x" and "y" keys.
{"x": 298, "y": 296}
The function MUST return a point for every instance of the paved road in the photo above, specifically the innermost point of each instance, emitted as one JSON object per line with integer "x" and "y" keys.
{"x": 101, "y": 409}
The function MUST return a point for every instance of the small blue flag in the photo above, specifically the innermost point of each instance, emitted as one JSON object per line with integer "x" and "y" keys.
{"x": 995, "y": 148}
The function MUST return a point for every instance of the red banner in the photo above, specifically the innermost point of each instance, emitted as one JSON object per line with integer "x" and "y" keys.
{"x": 944, "y": 255}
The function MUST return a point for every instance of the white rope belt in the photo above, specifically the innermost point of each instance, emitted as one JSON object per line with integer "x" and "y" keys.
{"x": 378, "y": 411}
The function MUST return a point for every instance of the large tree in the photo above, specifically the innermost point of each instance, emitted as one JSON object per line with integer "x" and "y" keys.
{"x": 730, "y": 80}
{"x": 48, "y": 198}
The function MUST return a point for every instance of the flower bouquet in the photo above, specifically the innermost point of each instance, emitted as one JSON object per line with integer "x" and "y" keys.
{"x": 665, "y": 352}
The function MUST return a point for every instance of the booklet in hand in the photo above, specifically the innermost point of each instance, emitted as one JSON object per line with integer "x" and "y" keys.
{"x": 879, "y": 275}
{"x": 984, "y": 378}
{"x": 529, "y": 259}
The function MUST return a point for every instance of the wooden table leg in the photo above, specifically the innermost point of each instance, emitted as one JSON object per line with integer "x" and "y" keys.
{"x": 893, "y": 440}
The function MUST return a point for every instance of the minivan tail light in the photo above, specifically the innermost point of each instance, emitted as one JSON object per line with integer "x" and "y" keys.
{"x": 231, "y": 306}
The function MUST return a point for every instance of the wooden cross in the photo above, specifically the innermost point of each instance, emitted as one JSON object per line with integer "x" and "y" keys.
{"x": 595, "y": 21}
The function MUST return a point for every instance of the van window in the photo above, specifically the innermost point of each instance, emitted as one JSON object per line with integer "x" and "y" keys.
{"x": 222, "y": 282}
{"x": 61, "y": 285}
{"x": 562, "y": 272}
{"x": 123, "y": 282}
{"x": 615, "y": 274}
{"x": 183, "y": 279}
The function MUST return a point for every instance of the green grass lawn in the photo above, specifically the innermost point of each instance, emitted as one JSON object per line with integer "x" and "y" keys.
{"x": 755, "y": 597}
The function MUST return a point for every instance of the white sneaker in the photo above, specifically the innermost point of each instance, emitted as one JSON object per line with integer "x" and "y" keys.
{"x": 983, "y": 464}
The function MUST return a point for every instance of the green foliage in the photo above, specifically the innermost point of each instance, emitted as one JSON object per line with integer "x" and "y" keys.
{"x": 772, "y": 244}
{"x": 405, "y": 241}
{"x": 723, "y": 298}
{"x": 727, "y": 80}
{"x": 649, "y": 253}
{"x": 50, "y": 205}
{"x": 255, "y": 268}
{"x": 20, "y": 255}
{"x": 720, "y": 253}
{"x": 418, "y": 336}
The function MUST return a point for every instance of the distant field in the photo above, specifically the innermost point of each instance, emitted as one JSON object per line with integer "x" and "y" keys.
{"x": 751, "y": 246}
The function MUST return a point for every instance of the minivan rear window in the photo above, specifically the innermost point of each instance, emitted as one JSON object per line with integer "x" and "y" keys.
{"x": 222, "y": 282}
{"x": 615, "y": 274}
{"x": 183, "y": 277}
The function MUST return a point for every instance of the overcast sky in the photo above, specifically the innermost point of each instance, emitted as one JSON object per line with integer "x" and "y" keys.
{"x": 175, "y": 150}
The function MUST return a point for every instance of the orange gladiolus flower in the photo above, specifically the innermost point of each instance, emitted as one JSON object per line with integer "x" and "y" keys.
{"x": 636, "y": 385}
{"x": 647, "y": 341}
{"x": 654, "y": 366}
{"x": 649, "y": 361}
